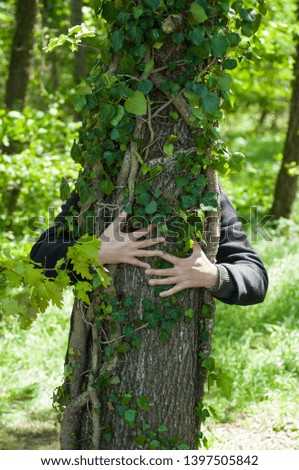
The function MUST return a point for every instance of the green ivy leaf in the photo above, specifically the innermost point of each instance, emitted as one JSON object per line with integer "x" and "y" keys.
{"x": 137, "y": 12}
{"x": 107, "y": 112}
{"x": 224, "y": 82}
{"x": 178, "y": 37}
{"x": 80, "y": 103}
{"x": 162, "y": 428}
{"x": 83, "y": 189}
{"x": 249, "y": 14}
{"x": 130, "y": 417}
{"x": 117, "y": 40}
{"x": 154, "y": 444}
{"x": 136, "y": 34}
{"x": 143, "y": 199}
{"x": 181, "y": 181}
{"x": 123, "y": 17}
{"x": 220, "y": 45}
{"x": 119, "y": 114}
{"x": 153, "y": 4}
{"x": 145, "y": 86}
{"x": 143, "y": 403}
{"x": 127, "y": 65}
{"x": 64, "y": 189}
{"x": 151, "y": 208}
{"x": 210, "y": 103}
{"x": 149, "y": 67}
{"x": 230, "y": 64}
{"x": 196, "y": 35}
{"x": 188, "y": 201}
{"x": 209, "y": 202}
{"x": 198, "y": 12}
{"x": 236, "y": 161}
{"x": 107, "y": 187}
{"x": 168, "y": 148}
{"x": 136, "y": 104}
{"x": 183, "y": 447}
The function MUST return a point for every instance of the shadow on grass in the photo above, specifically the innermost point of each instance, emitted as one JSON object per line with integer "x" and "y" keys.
{"x": 37, "y": 433}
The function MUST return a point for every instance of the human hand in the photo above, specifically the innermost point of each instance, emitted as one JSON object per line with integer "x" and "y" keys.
{"x": 120, "y": 247}
{"x": 194, "y": 271}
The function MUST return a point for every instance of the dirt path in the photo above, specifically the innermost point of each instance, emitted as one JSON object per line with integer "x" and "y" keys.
{"x": 252, "y": 432}
{"x": 249, "y": 432}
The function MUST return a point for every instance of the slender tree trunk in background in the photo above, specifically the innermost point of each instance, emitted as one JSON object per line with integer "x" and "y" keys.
{"x": 46, "y": 9}
{"x": 80, "y": 69}
{"x": 21, "y": 52}
{"x": 286, "y": 183}
{"x": 18, "y": 79}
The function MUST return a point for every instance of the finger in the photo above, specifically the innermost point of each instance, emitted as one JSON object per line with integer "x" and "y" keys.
{"x": 145, "y": 253}
{"x": 142, "y": 231}
{"x": 160, "y": 282}
{"x": 196, "y": 248}
{"x": 170, "y": 258}
{"x": 115, "y": 226}
{"x": 173, "y": 290}
{"x": 160, "y": 272}
{"x": 151, "y": 242}
{"x": 139, "y": 263}
{"x": 120, "y": 219}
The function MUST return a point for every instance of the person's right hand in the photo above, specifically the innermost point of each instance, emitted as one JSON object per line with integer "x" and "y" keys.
{"x": 120, "y": 247}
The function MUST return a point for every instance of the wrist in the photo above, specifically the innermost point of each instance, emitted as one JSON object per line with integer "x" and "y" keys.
{"x": 212, "y": 277}
{"x": 104, "y": 257}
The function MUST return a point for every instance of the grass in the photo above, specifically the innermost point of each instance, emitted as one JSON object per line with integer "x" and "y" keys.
{"x": 31, "y": 367}
{"x": 258, "y": 346}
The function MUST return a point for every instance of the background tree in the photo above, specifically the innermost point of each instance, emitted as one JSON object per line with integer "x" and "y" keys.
{"x": 21, "y": 52}
{"x": 18, "y": 77}
{"x": 80, "y": 69}
{"x": 287, "y": 181}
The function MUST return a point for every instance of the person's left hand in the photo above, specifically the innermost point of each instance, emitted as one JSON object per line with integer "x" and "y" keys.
{"x": 194, "y": 271}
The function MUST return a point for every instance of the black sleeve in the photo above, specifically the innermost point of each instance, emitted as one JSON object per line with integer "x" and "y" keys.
{"x": 243, "y": 264}
{"x": 55, "y": 241}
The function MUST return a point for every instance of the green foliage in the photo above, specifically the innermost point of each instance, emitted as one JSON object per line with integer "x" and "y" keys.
{"x": 42, "y": 141}
{"x": 74, "y": 38}
{"x": 31, "y": 291}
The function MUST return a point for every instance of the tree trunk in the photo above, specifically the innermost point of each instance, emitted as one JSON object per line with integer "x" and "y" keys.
{"x": 80, "y": 69}
{"x": 47, "y": 9}
{"x": 18, "y": 78}
{"x": 22, "y": 48}
{"x": 134, "y": 374}
{"x": 287, "y": 182}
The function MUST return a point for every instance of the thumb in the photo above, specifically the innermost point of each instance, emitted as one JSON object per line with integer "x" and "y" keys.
{"x": 119, "y": 220}
{"x": 196, "y": 248}
{"x": 116, "y": 224}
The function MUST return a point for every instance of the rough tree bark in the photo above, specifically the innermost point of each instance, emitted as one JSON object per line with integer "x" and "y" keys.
{"x": 80, "y": 69}
{"x": 287, "y": 183}
{"x": 21, "y": 53}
